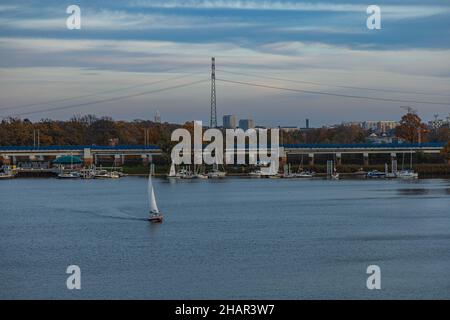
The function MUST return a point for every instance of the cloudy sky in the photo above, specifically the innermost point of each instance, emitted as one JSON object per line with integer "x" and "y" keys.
{"x": 134, "y": 57}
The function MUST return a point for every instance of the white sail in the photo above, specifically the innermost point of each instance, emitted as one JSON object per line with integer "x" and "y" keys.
{"x": 151, "y": 194}
{"x": 172, "y": 172}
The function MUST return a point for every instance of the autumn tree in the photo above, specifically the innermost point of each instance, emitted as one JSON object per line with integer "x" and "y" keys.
{"x": 411, "y": 128}
{"x": 446, "y": 152}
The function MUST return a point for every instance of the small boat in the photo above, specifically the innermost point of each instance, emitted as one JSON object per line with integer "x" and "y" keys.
{"x": 6, "y": 176}
{"x": 376, "y": 174}
{"x": 407, "y": 174}
{"x": 155, "y": 215}
{"x": 185, "y": 174}
{"x": 199, "y": 173}
{"x": 335, "y": 175}
{"x": 216, "y": 173}
{"x": 255, "y": 174}
{"x": 103, "y": 174}
{"x": 69, "y": 175}
{"x": 201, "y": 176}
{"x": 305, "y": 174}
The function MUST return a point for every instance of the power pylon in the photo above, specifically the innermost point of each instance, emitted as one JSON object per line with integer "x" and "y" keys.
{"x": 213, "y": 119}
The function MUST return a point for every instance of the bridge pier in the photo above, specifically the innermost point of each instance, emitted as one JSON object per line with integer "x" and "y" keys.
{"x": 87, "y": 157}
{"x": 338, "y": 159}
{"x": 119, "y": 159}
{"x": 393, "y": 156}
{"x": 146, "y": 159}
{"x": 366, "y": 158}
{"x": 282, "y": 161}
{"x": 311, "y": 159}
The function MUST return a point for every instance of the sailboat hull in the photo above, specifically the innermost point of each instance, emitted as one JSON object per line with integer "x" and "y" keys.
{"x": 157, "y": 218}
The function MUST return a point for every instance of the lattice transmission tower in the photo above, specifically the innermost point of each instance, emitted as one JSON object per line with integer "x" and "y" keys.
{"x": 213, "y": 119}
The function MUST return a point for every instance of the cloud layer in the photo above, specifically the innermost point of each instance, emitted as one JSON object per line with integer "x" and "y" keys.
{"x": 326, "y": 42}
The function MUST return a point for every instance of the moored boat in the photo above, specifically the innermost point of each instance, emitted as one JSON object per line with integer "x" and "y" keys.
{"x": 69, "y": 175}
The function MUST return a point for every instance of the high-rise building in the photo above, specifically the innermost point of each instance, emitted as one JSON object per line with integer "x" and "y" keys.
{"x": 229, "y": 121}
{"x": 246, "y": 124}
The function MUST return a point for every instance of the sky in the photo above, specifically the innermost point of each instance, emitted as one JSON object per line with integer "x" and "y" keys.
{"x": 134, "y": 57}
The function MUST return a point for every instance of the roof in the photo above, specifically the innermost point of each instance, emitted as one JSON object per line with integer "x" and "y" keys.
{"x": 68, "y": 160}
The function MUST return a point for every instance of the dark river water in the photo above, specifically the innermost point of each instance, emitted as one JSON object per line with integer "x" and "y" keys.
{"x": 229, "y": 239}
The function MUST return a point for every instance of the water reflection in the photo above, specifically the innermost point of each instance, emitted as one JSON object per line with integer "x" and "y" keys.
{"x": 413, "y": 192}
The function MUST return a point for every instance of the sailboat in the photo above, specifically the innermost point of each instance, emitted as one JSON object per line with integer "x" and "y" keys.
{"x": 69, "y": 175}
{"x": 216, "y": 173}
{"x": 155, "y": 215}
{"x": 172, "y": 172}
{"x": 408, "y": 174}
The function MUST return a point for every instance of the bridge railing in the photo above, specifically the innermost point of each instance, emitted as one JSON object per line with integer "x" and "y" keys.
{"x": 367, "y": 146}
{"x": 79, "y": 148}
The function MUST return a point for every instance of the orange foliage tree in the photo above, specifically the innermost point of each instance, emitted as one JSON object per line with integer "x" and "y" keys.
{"x": 411, "y": 128}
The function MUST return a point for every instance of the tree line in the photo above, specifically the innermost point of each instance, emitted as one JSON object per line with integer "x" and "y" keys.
{"x": 93, "y": 130}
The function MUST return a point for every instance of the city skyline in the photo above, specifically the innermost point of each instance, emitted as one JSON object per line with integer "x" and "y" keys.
{"x": 140, "y": 46}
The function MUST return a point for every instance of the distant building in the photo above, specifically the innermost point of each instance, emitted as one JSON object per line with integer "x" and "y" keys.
{"x": 370, "y": 125}
{"x": 289, "y": 129}
{"x": 246, "y": 124}
{"x": 386, "y": 126}
{"x": 353, "y": 123}
{"x": 383, "y": 126}
{"x": 229, "y": 121}
{"x": 307, "y": 124}
{"x": 157, "y": 117}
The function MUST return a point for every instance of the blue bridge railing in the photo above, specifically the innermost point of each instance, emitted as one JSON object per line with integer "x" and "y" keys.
{"x": 367, "y": 146}
{"x": 51, "y": 148}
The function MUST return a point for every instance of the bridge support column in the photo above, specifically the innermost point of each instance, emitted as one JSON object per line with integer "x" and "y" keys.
{"x": 119, "y": 159}
{"x": 146, "y": 159}
{"x": 282, "y": 161}
{"x": 338, "y": 159}
{"x": 311, "y": 159}
{"x": 282, "y": 158}
{"x": 366, "y": 158}
{"x": 393, "y": 156}
{"x": 87, "y": 157}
